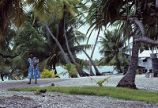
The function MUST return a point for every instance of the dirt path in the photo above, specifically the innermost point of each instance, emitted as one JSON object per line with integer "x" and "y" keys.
{"x": 23, "y": 83}
{"x": 141, "y": 81}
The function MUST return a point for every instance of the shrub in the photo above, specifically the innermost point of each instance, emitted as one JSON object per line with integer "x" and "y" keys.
{"x": 48, "y": 74}
{"x": 101, "y": 82}
{"x": 71, "y": 68}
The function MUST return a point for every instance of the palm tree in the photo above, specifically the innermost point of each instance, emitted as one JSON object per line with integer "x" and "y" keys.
{"x": 44, "y": 10}
{"x": 10, "y": 10}
{"x": 114, "y": 50}
{"x": 61, "y": 37}
{"x": 137, "y": 14}
{"x": 57, "y": 11}
{"x": 7, "y": 55}
{"x": 94, "y": 25}
{"x": 72, "y": 37}
{"x": 28, "y": 39}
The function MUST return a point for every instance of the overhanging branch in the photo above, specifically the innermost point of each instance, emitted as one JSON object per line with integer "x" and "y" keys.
{"x": 147, "y": 40}
{"x": 7, "y": 56}
{"x": 156, "y": 4}
{"x": 139, "y": 24}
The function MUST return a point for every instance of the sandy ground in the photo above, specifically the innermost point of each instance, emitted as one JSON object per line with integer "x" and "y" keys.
{"x": 141, "y": 81}
{"x": 59, "y": 100}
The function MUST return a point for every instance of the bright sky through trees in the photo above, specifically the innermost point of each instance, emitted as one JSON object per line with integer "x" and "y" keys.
{"x": 96, "y": 55}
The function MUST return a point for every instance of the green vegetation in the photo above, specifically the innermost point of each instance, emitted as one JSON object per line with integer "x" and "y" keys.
{"x": 51, "y": 37}
{"x": 101, "y": 82}
{"x": 48, "y": 74}
{"x": 120, "y": 93}
{"x": 71, "y": 68}
{"x": 114, "y": 50}
{"x": 49, "y": 30}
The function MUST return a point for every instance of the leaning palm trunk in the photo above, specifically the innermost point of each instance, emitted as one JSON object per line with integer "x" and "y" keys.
{"x": 91, "y": 71}
{"x": 58, "y": 44}
{"x": 65, "y": 36}
{"x": 66, "y": 40}
{"x": 68, "y": 49}
{"x": 93, "y": 64}
{"x": 80, "y": 71}
{"x": 95, "y": 43}
{"x": 129, "y": 79}
{"x": 91, "y": 61}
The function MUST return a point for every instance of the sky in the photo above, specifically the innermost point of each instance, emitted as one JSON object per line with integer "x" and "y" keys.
{"x": 96, "y": 55}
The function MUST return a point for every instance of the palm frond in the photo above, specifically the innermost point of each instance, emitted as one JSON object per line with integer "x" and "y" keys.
{"x": 79, "y": 48}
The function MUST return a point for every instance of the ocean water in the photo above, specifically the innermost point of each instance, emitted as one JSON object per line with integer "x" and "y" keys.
{"x": 102, "y": 69}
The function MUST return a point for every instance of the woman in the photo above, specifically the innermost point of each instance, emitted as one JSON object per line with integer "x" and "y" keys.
{"x": 36, "y": 72}
{"x": 30, "y": 68}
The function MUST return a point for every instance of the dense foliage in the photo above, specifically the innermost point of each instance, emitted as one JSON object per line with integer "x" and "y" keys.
{"x": 49, "y": 29}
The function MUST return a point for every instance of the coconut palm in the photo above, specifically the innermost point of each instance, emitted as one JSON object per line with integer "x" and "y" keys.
{"x": 6, "y": 55}
{"x": 28, "y": 39}
{"x": 137, "y": 14}
{"x": 10, "y": 10}
{"x": 44, "y": 9}
{"x": 54, "y": 11}
{"x": 72, "y": 36}
{"x": 60, "y": 37}
{"x": 114, "y": 50}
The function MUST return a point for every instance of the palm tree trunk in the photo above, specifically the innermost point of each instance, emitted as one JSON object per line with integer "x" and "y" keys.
{"x": 65, "y": 36}
{"x": 93, "y": 64}
{"x": 54, "y": 68}
{"x": 129, "y": 79}
{"x": 80, "y": 72}
{"x": 90, "y": 70}
{"x": 69, "y": 51}
{"x": 2, "y": 77}
{"x": 58, "y": 44}
{"x": 96, "y": 69}
{"x": 95, "y": 44}
{"x": 72, "y": 58}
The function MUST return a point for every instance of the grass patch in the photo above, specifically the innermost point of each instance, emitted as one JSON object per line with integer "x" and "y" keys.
{"x": 120, "y": 93}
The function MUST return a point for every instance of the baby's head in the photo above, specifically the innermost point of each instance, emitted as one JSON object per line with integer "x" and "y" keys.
{"x": 31, "y": 55}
